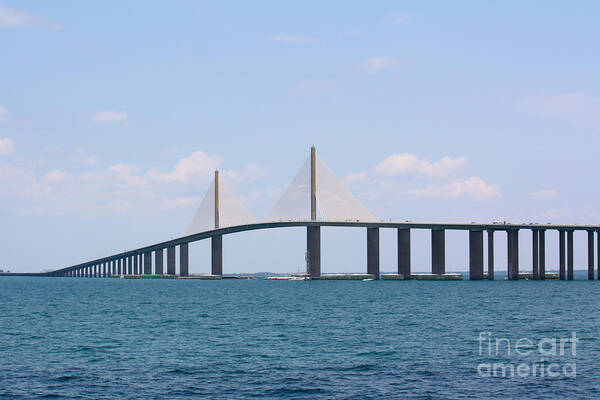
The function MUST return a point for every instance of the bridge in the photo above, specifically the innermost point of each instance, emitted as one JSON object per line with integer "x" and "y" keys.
{"x": 333, "y": 205}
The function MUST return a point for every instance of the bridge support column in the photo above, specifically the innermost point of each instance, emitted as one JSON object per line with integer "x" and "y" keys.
{"x": 591, "y": 255}
{"x": 561, "y": 255}
{"x": 513, "y": 254}
{"x": 171, "y": 260}
{"x": 438, "y": 251}
{"x": 491, "y": 255}
{"x": 96, "y": 269}
{"x": 216, "y": 255}
{"x": 183, "y": 260}
{"x": 112, "y": 268}
{"x": 598, "y": 254}
{"x": 313, "y": 250}
{"x": 570, "y": 255}
{"x": 535, "y": 247}
{"x": 404, "y": 252}
{"x": 158, "y": 262}
{"x": 121, "y": 261}
{"x": 542, "y": 259}
{"x": 135, "y": 264}
{"x": 475, "y": 255}
{"x": 148, "y": 263}
{"x": 373, "y": 252}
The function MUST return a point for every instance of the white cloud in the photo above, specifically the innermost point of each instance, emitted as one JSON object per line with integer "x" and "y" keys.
{"x": 580, "y": 108}
{"x": 375, "y": 64}
{"x": 106, "y": 117}
{"x": 293, "y": 39}
{"x": 12, "y": 18}
{"x": 474, "y": 188}
{"x": 125, "y": 173}
{"x": 3, "y": 113}
{"x": 410, "y": 164}
{"x": 198, "y": 166}
{"x": 117, "y": 188}
{"x": 544, "y": 193}
{"x": 56, "y": 176}
{"x": 6, "y": 147}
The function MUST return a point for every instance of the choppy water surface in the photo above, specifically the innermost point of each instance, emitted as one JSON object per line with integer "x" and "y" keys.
{"x": 157, "y": 339}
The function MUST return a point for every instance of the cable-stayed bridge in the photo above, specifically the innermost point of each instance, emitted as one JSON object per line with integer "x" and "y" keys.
{"x": 317, "y": 198}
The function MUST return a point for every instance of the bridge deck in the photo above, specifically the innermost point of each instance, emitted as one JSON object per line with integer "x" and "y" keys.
{"x": 357, "y": 224}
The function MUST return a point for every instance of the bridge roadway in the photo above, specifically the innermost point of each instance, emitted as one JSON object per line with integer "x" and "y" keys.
{"x": 135, "y": 258}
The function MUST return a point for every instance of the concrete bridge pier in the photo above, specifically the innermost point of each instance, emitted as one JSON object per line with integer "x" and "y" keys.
{"x": 171, "y": 260}
{"x": 148, "y": 263}
{"x": 491, "y": 254}
{"x": 404, "y": 252}
{"x": 438, "y": 251}
{"x": 121, "y": 261}
{"x": 542, "y": 257}
{"x": 535, "y": 247}
{"x": 561, "y": 255}
{"x": 216, "y": 255}
{"x": 598, "y": 246}
{"x": 373, "y": 252}
{"x": 570, "y": 255}
{"x": 183, "y": 260}
{"x": 513, "y": 254}
{"x": 591, "y": 255}
{"x": 313, "y": 251}
{"x": 475, "y": 255}
{"x": 158, "y": 261}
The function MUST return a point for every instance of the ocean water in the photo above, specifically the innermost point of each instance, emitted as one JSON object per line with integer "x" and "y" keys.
{"x": 174, "y": 339}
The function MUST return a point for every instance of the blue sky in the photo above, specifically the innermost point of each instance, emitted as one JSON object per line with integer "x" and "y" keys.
{"x": 114, "y": 115}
